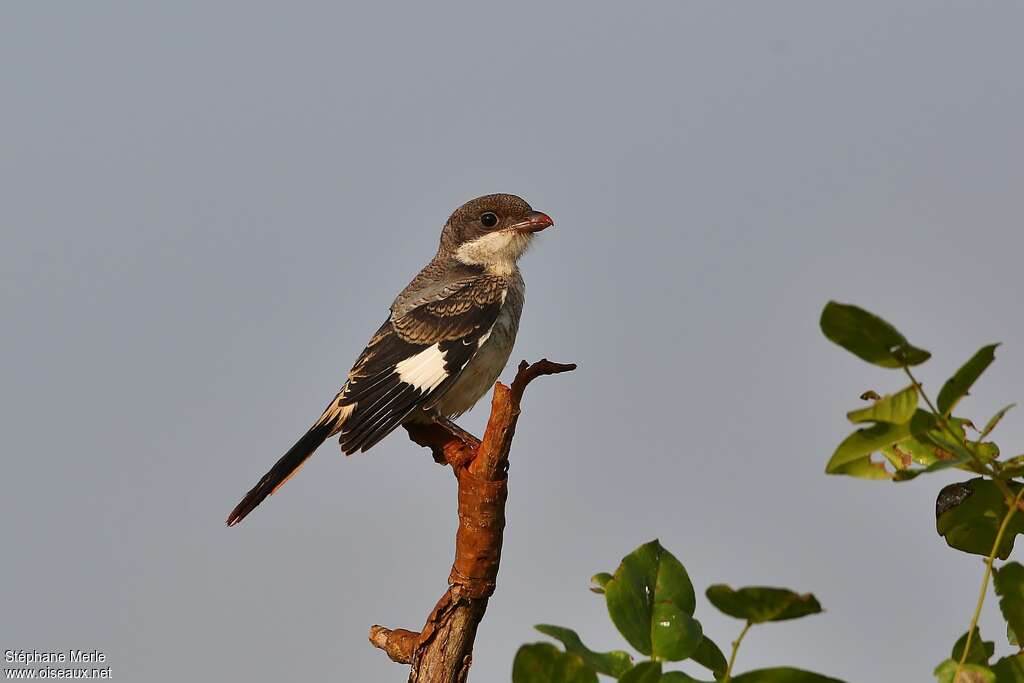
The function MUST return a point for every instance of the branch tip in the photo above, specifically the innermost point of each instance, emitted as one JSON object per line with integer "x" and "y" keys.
{"x": 528, "y": 372}
{"x": 399, "y": 643}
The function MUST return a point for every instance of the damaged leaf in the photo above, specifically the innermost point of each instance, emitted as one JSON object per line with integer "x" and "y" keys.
{"x": 1009, "y": 584}
{"x": 895, "y": 408}
{"x": 970, "y": 673}
{"x": 968, "y": 515}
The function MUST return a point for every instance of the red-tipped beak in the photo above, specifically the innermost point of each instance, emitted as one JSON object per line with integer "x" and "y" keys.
{"x": 535, "y": 222}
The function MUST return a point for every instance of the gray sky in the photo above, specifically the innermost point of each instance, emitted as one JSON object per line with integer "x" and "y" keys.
{"x": 207, "y": 208}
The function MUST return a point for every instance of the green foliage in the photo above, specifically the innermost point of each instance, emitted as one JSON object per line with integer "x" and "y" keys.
{"x": 968, "y": 515}
{"x": 710, "y": 657}
{"x": 1009, "y": 584}
{"x": 679, "y": 677}
{"x": 898, "y": 437}
{"x": 956, "y": 386}
{"x": 1006, "y": 670}
{"x": 545, "y": 663}
{"x": 611, "y": 663}
{"x": 971, "y": 655}
{"x": 651, "y": 601}
{"x": 1009, "y": 669}
{"x": 644, "y": 672}
{"x": 783, "y": 674}
{"x": 869, "y": 337}
{"x": 759, "y": 604}
{"x": 991, "y": 424}
{"x": 598, "y": 582}
{"x": 977, "y": 516}
{"x": 978, "y": 652}
{"x": 969, "y": 673}
{"x": 912, "y": 440}
{"x": 923, "y": 443}
{"x": 894, "y": 409}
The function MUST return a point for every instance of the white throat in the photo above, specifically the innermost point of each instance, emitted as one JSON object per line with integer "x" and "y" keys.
{"x": 495, "y": 251}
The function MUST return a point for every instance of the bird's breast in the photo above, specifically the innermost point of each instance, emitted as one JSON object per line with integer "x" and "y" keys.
{"x": 484, "y": 368}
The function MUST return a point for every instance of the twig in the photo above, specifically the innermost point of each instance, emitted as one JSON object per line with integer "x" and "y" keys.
{"x": 735, "y": 649}
{"x": 442, "y": 651}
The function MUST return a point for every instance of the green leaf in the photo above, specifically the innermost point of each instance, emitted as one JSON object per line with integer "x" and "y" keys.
{"x": 952, "y": 454}
{"x": 1010, "y": 669}
{"x": 968, "y": 515}
{"x": 862, "y": 468}
{"x": 644, "y": 672}
{"x": 679, "y": 677}
{"x": 869, "y": 337}
{"x": 970, "y": 673}
{"x": 995, "y": 420}
{"x": 853, "y": 456}
{"x": 650, "y": 576}
{"x": 597, "y": 582}
{"x": 854, "y": 453}
{"x": 922, "y": 441}
{"x": 1009, "y": 583}
{"x": 710, "y": 657}
{"x": 948, "y": 453}
{"x": 612, "y": 664}
{"x": 1014, "y": 467}
{"x": 914, "y": 450}
{"x": 758, "y": 604}
{"x": 985, "y": 450}
{"x": 980, "y": 652}
{"x": 545, "y": 663}
{"x": 949, "y": 436}
{"x": 783, "y": 674}
{"x": 895, "y": 408}
{"x": 675, "y": 635}
{"x": 957, "y": 386}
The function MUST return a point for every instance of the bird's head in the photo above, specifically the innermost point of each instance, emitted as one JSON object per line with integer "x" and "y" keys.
{"x": 492, "y": 231}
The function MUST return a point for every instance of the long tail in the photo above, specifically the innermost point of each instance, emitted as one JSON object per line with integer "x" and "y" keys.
{"x": 282, "y": 471}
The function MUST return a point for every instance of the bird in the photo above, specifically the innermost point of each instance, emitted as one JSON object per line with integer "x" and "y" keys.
{"x": 447, "y": 337}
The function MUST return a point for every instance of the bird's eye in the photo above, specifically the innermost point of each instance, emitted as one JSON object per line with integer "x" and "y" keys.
{"x": 489, "y": 219}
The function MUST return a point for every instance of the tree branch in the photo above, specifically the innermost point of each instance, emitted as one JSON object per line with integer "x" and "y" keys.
{"x": 442, "y": 652}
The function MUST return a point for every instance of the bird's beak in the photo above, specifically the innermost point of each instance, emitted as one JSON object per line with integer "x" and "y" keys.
{"x": 535, "y": 222}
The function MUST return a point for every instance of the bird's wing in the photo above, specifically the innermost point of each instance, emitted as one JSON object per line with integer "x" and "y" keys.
{"x": 413, "y": 359}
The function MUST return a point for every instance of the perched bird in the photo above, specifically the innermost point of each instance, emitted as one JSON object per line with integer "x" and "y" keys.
{"x": 448, "y": 337}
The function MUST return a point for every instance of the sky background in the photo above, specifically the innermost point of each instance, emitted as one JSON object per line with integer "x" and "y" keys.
{"x": 207, "y": 208}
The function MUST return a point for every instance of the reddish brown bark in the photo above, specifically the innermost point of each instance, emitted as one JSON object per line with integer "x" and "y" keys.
{"x": 442, "y": 652}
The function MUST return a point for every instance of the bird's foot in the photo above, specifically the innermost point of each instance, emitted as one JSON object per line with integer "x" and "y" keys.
{"x": 449, "y": 443}
{"x": 467, "y": 439}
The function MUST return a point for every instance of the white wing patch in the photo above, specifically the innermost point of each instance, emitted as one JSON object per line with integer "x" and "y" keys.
{"x": 484, "y": 337}
{"x": 425, "y": 370}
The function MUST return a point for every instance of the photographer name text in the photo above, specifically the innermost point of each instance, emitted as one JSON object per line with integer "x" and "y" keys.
{"x": 53, "y": 656}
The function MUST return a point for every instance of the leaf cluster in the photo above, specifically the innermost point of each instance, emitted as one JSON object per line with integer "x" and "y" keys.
{"x": 651, "y": 601}
{"x": 899, "y": 439}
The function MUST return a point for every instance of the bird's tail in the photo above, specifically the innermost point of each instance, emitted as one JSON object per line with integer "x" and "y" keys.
{"x": 282, "y": 470}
